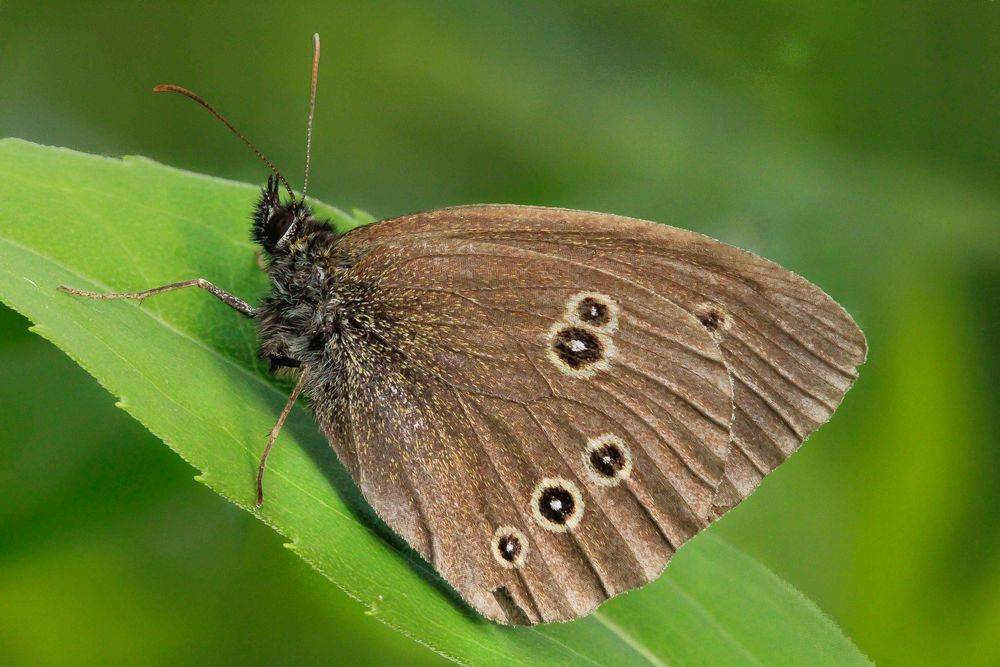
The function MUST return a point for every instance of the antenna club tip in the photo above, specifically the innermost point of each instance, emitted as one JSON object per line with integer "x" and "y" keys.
{"x": 162, "y": 88}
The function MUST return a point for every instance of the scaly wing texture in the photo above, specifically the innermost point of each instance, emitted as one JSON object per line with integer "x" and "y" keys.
{"x": 791, "y": 350}
{"x": 543, "y": 452}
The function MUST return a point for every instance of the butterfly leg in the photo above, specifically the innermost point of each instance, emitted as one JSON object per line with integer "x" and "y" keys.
{"x": 224, "y": 296}
{"x": 276, "y": 430}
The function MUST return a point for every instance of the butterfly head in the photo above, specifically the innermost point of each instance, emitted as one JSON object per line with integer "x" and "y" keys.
{"x": 277, "y": 225}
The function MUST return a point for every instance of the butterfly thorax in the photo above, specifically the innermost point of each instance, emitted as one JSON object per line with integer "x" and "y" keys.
{"x": 300, "y": 321}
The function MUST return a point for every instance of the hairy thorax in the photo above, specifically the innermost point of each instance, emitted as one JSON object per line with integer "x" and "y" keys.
{"x": 301, "y": 321}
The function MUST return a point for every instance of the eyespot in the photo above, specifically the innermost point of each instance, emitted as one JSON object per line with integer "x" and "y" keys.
{"x": 509, "y": 547}
{"x": 713, "y": 317}
{"x": 607, "y": 460}
{"x": 556, "y": 504}
{"x": 593, "y": 309}
{"x": 579, "y": 351}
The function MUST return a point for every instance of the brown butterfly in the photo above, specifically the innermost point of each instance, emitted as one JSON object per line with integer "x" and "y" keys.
{"x": 545, "y": 403}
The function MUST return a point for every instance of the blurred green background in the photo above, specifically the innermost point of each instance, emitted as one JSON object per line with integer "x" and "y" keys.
{"x": 856, "y": 145}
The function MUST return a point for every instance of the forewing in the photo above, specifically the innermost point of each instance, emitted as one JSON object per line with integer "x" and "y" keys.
{"x": 791, "y": 350}
{"x": 456, "y": 417}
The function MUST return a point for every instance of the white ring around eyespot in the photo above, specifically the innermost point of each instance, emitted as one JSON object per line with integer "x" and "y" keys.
{"x": 574, "y": 491}
{"x": 502, "y": 532}
{"x": 589, "y": 371}
{"x": 573, "y": 317}
{"x": 597, "y": 443}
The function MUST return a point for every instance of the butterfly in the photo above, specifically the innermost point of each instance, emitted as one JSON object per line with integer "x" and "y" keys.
{"x": 544, "y": 403}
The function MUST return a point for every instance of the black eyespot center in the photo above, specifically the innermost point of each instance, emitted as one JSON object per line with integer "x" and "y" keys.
{"x": 608, "y": 460}
{"x": 712, "y": 319}
{"x": 578, "y": 347}
{"x": 594, "y": 312}
{"x": 509, "y": 547}
{"x": 556, "y": 504}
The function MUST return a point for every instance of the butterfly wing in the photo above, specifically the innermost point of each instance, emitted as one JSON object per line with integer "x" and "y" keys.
{"x": 791, "y": 350}
{"x": 543, "y": 452}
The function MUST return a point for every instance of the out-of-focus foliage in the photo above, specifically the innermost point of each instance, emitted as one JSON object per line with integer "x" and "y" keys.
{"x": 857, "y": 145}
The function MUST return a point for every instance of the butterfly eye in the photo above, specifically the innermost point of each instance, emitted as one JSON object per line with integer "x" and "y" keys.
{"x": 557, "y": 504}
{"x": 607, "y": 459}
{"x": 509, "y": 547}
{"x": 277, "y": 226}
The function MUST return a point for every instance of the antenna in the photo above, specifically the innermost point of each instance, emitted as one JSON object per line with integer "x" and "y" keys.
{"x": 169, "y": 88}
{"x": 312, "y": 110}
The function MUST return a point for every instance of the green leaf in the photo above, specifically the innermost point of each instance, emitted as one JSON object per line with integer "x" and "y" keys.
{"x": 185, "y": 366}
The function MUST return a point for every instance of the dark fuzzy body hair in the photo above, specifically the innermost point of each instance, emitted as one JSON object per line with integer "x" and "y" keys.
{"x": 304, "y": 312}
